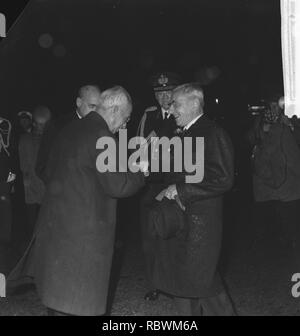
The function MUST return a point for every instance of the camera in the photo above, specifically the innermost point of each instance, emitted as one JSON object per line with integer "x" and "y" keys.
{"x": 258, "y": 109}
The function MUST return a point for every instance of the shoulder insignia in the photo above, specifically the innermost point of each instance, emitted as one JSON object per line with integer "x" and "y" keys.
{"x": 151, "y": 109}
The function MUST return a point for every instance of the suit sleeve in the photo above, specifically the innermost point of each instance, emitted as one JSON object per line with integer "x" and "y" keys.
{"x": 114, "y": 183}
{"x": 218, "y": 171}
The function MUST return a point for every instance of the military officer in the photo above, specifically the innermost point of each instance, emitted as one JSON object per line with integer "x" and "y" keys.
{"x": 156, "y": 122}
{"x": 157, "y": 118}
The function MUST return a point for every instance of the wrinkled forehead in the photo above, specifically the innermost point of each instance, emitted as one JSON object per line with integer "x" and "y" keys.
{"x": 179, "y": 96}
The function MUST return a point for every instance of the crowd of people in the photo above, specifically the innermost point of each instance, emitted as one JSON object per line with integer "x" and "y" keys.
{"x": 72, "y": 207}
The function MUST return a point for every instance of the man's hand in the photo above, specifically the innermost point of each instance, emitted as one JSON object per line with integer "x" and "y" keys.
{"x": 11, "y": 177}
{"x": 171, "y": 192}
{"x": 143, "y": 166}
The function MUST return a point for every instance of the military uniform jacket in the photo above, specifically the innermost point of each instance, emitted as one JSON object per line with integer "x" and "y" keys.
{"x": 152, "y": 121}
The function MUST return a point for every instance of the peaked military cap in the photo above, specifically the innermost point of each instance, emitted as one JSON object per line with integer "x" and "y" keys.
{"x": 164, "y": 81}
{"x": 25, "y": 114}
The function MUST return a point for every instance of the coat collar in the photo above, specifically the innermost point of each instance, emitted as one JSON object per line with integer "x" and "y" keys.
{"x": 96, "y": 117}
{"x": 190, "y": 124}
{"x": 201, "y": 124}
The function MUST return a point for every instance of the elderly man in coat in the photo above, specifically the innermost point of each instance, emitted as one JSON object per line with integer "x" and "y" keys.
{"x": 71, "y": 257}
{"x": 186, "y": 263}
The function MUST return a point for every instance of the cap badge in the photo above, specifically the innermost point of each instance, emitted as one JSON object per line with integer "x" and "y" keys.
{"x": 163, "y": 80}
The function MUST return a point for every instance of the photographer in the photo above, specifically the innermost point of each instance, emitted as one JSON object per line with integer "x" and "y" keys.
{"x": 276, "y": 171}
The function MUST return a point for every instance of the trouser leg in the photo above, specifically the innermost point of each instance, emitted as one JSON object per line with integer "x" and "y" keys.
{"x": 187, "y": 307}
{"x": 219, "y": 305}
{"x": 148, "y": 242}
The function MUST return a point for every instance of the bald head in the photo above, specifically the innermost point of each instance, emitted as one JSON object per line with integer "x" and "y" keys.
{"x": 41, "y": 115}
{"x": 88, "y": 99}
{"x": 42, "y": 112}
{"x": 115, "y": 107}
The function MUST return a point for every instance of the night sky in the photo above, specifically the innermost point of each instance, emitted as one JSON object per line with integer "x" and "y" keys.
{"x": 124, "y": 41}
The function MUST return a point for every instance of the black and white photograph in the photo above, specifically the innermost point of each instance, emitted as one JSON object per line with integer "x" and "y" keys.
{"x": 150, "y": 160}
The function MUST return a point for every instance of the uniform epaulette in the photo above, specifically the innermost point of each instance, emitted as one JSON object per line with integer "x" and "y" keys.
{"x": 151, "y": 109}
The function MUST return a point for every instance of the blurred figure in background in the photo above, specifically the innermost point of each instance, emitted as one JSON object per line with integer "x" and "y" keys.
{"x": 28, "y": 150}
{"x": 7, "y": 177}
{"x": 276, "y": 173}
{"x": 24, "y": 122}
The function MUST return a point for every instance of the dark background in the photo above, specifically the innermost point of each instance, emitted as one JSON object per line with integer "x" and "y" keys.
{"x": 124, "y": 41}
{"x": 110, "y": 42}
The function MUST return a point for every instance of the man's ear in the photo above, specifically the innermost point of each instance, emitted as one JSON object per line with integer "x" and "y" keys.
{"x": 115, "y": 109}
{"x": 196, "y": 104}
{"x": 78, "y": 102}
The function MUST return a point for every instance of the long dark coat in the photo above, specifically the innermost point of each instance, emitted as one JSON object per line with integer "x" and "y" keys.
{"x": 153, "y": 121}
{"x": 52, "y": 130}
{"x": 186, "y": 265}
{"x": 72, "y": 253}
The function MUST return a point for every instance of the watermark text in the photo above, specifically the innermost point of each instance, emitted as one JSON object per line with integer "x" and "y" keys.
{"x": 163, "y": 154}
{"x": 2, "y": 25}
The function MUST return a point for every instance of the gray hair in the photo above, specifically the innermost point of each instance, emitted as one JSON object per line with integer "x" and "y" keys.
{"x": 116, "y": 96}
{"x": 193, "y": 90}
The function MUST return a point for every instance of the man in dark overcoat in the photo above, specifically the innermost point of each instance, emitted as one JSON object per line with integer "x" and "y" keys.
{"x": 186, "y": 264}
{"x": 71, "y": 256}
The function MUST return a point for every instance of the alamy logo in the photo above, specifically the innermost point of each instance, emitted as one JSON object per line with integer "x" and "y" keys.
{"x": 2, "y": 25}
{"x": 188, "y": 155}
{"x": 296, "y": 286}
{"x": 2, "y": 286}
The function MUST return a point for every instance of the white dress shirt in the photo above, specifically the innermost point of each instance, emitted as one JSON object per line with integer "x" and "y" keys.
{"x": 190, "y": 124}
{"x": 78, "y": 115}
{"x": 165, "y": 113}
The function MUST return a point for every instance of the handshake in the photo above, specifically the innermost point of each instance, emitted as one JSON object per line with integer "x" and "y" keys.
{"x": 169, "y": 193}
{"x": 143, "y": 166}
